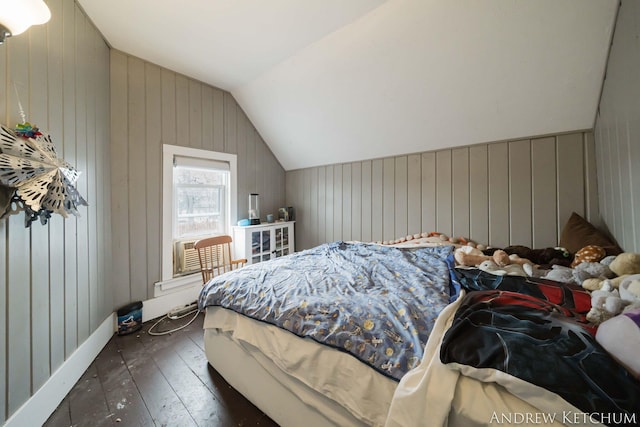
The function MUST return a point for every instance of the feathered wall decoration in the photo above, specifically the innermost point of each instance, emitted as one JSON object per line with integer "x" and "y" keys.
{"x": 42, "y": 183}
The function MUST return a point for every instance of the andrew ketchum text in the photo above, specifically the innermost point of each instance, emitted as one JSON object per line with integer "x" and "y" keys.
{"x": 566, "y": 417}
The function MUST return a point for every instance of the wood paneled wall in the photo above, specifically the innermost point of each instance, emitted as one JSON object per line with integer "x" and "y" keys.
{"x": 151, "y": 106}
{"x": 514, "y": 192}
{"x": 617, "y": 132}
{"x": 55, "y": 288}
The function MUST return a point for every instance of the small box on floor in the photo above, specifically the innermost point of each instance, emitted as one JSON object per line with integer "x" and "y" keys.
{"x": 130, "y": 318}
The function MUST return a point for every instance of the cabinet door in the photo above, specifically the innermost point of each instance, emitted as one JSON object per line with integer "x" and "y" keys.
{"x": 260, "y": 245}
{"x": 281, "y": 246}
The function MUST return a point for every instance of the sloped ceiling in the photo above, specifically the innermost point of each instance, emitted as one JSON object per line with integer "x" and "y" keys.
{"x": 331, "y": 81}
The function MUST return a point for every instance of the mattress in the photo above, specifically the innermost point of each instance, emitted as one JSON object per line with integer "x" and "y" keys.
{"x": 294, "y": 379}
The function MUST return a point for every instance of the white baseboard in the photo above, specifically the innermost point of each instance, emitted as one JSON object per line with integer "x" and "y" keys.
{"x": 156, "y": 307}
{"x": 41, "y": 405}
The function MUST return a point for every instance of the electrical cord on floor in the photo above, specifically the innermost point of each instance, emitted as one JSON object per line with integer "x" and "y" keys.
{"x": 196, "y": 311}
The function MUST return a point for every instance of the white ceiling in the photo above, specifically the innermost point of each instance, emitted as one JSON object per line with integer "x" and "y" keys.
{"x": 331, "y": 81}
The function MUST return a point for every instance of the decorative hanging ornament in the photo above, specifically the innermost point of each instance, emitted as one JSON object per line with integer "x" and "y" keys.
{"x": 43, "y": 183}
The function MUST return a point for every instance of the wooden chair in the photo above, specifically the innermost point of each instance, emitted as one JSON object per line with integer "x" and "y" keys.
{"x": 215, "y": 257}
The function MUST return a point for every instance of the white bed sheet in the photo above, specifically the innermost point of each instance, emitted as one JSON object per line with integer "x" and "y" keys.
{"x": 348, "y": 393}
{"x": 434, "y": 394}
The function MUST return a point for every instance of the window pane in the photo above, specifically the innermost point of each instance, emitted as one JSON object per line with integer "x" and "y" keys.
{"x": 199, "y": 202}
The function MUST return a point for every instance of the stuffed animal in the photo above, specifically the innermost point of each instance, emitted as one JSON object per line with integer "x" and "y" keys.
{"x": 626, "y": 263}
{"x": 620, "y": 336}
{"x": 605, "y": 303}
{"x": 544, "y": 258}
{"x": 560, "y": 273}
{"x": 595, "y": 283}
{"x": 473, "y": 257}
{"x": 590, "y": 253}
{"x": 589, "y": 270}
{"x": 608, "y": 302}
{"x": 506, "y": 270}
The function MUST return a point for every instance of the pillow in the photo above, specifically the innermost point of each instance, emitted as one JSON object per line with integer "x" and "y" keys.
{"x": 620, "y": 336}
{"x": 578, "y": 233}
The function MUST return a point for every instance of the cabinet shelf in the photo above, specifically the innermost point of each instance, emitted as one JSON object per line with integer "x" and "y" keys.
{"x": 263, "y": 242}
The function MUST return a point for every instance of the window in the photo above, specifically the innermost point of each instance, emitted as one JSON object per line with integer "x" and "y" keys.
{"x": 198, "y": 201}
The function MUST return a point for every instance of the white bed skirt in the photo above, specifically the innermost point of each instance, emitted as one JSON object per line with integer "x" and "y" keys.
{"x": 287, "y": 376}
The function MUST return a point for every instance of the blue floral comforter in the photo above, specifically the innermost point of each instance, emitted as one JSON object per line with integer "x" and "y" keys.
{"x": 375, "y": 302}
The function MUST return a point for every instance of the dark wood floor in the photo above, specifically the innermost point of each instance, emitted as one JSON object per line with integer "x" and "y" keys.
{"x": 144, "y": 380}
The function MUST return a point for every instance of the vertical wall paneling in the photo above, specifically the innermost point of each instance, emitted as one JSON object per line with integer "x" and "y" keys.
{"x": 367, "y": 209}
{"x": 444, "y": 213}
{"x": 543, "y": 178}
{"x": 356, "y": 201}
{"x": 307, "y": 223}
{"x": 82, "y": 267}
{"x": 497, "y": 193}
{"x": 3, "y": 319}
{"x": 120, "y": 175}
{"x": 93, "y": 50}
{"x": 337, "y": 202}
{"x": 153, "y": 171}
{"x": 346, "y": 201}
{"x": 37, "y": 113}
{"x": 51, "y": 285}
{"x": 69, "y": 150}
{"x": 322, "y": 201}
{"x": 401, "y": 196}
{"x": 591, "y": 180}
{"x": 314, "y": 207}
{"x": 207, "y": 117}
{"x": 18, "y": 260}
{"x": 388, "y": 197}
{"x": 570, "y": 171}
{"x": 151, "y": 106}
{"x": 230, "y": 124}
{"x": 460, "y": 191}
{"x": 182, "y": 109}
{"x": 329, "y": 201}
{"x": 377, "y": 201}
{"x": 218, "y": 120}
{"x": 520, "y": 192}
{"x": 195, "y": 114}
{"x": 617, "y": 132}
{"x": 428, "y": 202}
{"x": 137, "y": 153}
{"x": 3, "y": 268}
{"x": 168, "y": 97}
{"x": 414, "y": 210}
{"x": 56, "y": 223}
{"x": 479, "y": 193}
{"x": 246, "y": 181}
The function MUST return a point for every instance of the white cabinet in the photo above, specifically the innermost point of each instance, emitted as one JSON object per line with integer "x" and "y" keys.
{"x": 264, "y": 241}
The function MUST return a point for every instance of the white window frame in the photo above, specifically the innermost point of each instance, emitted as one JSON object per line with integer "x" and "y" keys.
{"x": 169, "y": 152}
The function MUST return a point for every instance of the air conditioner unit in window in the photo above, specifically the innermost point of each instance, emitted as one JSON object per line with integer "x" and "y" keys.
{"x": 185, "y": 257}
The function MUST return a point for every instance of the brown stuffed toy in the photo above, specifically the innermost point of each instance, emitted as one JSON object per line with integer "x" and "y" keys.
{"x": 544, "y": 258}
{"x": 500, "y": 257}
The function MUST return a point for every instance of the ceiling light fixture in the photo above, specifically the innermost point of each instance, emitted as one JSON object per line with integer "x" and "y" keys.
{"x": 18, "y": 15}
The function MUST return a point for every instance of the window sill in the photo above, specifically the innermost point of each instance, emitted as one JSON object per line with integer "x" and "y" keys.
{"x": 177, "y": 284}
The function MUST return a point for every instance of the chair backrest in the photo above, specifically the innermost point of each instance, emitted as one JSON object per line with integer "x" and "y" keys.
{"x": 215, "y": 256}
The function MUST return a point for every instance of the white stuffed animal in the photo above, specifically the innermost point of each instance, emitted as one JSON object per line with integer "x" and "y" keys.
{"x": 608, "y": 302}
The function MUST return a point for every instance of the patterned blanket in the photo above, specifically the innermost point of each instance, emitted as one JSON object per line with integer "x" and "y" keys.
{"x": 536, "y": 330}
{"x": 375, "y": 302}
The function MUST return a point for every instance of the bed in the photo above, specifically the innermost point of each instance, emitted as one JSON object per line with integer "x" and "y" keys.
{"x": 395, "y": 356}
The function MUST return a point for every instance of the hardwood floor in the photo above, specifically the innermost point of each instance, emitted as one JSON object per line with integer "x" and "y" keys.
{"x": 144, "y": 380}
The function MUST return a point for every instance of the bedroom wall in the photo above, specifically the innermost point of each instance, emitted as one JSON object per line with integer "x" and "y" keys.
{"x": 55, "y": 288}
{"x": 151, "y": 106}
{"x": 510, "y": 192}
{"x": 617, "y": 132}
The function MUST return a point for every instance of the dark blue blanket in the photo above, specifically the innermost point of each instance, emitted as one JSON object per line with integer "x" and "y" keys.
{"x": 378, "y": 303}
